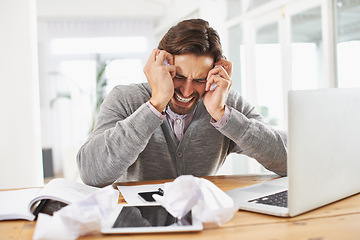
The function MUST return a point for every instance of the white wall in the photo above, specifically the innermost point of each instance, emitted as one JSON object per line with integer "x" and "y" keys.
{"x": 20, "y": 143}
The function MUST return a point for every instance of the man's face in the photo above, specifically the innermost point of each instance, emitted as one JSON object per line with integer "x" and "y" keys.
{"x": 190, "y": 81}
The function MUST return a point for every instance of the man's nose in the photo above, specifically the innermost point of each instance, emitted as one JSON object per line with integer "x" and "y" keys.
{"x": 187, "y": 88}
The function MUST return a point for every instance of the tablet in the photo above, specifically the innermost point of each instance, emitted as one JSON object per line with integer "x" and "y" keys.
{"x": 148, "y": 219}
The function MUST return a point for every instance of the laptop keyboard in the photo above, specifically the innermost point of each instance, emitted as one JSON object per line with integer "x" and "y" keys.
{"x": 278, "y": 199}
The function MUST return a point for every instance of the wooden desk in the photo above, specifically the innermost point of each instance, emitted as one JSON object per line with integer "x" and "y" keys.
{"x": 340, "y": 220}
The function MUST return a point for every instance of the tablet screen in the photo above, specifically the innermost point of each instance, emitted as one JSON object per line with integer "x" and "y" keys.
{"x": 148, "y": 216}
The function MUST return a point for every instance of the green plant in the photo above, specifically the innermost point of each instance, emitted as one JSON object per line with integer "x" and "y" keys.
{"x": 101, "y": 84}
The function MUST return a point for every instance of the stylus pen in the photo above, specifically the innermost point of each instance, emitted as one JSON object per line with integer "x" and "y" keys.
{"x": 39, "y": 207}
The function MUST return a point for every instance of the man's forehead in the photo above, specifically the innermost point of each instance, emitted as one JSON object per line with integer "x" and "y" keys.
{"x": 196, "y": 66}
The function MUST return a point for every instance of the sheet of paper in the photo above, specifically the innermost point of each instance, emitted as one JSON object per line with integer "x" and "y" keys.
{"x": 14, "y": 204}
{"x": 130, "y": 193}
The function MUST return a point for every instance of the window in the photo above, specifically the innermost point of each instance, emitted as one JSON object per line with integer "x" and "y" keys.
{"x": 123, "y": 72}
{"x": 80, "y": 61}
{"x": 269, "y": 74}
{"x": 306, "y": 49}
{"x": 66, "y": 46}
{"x": 71, "y": 54}
{"x": 348, "y": 44}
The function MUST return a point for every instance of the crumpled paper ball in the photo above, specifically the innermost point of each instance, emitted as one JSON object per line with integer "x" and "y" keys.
{"x": 208, "y": 202}
{"x": 81, "y": 218}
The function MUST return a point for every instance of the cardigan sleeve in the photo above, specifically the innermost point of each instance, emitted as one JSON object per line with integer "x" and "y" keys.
{"x": 255, "y": 138}
{"x": 120, "y": 135}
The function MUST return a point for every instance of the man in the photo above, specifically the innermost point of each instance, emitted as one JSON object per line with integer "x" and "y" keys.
{"x": 174, "y": 124}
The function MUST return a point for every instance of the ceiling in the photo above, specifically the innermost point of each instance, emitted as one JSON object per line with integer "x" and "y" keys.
{"x": 150, "y": 10}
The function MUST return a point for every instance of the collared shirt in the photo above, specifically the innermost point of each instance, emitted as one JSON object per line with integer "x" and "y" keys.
{"x": 179, "y": 123}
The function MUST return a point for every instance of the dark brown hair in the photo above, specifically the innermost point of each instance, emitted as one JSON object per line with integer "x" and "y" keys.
{"x": 193, "y": 36}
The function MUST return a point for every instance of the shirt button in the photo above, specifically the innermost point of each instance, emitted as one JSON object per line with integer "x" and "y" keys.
{"x": 179, "y": 154}
{"x": 178, "y": 121}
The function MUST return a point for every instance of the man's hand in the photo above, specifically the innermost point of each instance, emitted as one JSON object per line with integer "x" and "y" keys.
{"x": 214, "y": 101}
{"x": 160, "y": 78}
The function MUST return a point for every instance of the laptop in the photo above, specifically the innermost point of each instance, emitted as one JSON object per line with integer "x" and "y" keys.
{"x": 323, "y": 155}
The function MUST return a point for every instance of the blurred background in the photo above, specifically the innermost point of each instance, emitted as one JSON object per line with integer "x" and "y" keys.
{"x": 86, "y": 47}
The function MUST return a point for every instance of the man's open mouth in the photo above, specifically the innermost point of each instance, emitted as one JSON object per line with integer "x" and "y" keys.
{"x": 182, "y": 99}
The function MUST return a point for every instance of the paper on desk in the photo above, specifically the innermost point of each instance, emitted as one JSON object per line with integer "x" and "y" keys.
{"x": 78, "y": 219}
{"x": 208, "y": 202}
{"x": 130, "y": 193}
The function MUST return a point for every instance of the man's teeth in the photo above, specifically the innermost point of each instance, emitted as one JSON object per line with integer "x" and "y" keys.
{"x": 183, "y": 100}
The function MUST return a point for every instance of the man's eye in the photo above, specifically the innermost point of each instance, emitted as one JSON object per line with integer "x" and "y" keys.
{"x": 200, "y": 80}
{"x": 179, "y": 78}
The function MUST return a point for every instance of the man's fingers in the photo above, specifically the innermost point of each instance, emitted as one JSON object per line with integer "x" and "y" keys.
{"x": 164, "y": 58}
{"x": 227, "y": 65}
